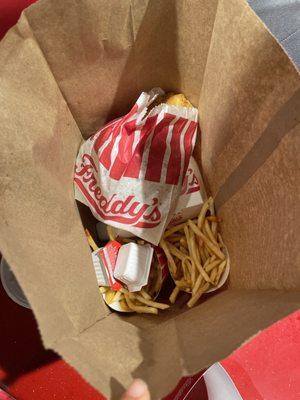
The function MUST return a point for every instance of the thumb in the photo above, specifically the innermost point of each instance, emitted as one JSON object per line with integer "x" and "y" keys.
{"x": 138, "y": 390}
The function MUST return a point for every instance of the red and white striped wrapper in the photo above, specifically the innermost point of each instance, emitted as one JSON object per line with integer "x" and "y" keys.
{"x": 192, "y": 195}
{"x": 130, "y": 172}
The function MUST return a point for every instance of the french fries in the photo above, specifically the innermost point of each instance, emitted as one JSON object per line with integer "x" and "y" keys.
{"x": 149, "y": 303}
{"x": 91, "y": 240}
{"x": 174, "y": 295}
{"x": 110, "y": 232}
{"x": 139, "y": 308}
{"x": 197, "y": 259}
{"x": 139, "y": 302}
{"x": 198, "y": 263}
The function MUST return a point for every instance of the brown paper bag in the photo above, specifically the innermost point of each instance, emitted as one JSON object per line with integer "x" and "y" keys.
{"x": 65, "y": 69}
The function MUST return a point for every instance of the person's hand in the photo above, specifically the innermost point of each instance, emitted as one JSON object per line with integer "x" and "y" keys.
{"x": 138, "y": 390}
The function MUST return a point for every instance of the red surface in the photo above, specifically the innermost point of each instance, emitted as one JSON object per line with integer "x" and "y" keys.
{"x": 10, "y": 11}
{"x": 26, "y": 368}
{"x": 189, "y": 388}
{"x": 268, "y": 367}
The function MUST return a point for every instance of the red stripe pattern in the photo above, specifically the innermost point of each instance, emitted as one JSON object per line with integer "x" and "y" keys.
{"x": 134, "y": 166}
{"x": 149, "y": 149}
{"x": 157, "y": 149}
{"x": 189, "y": 142}
{"x": 119, "y": 137}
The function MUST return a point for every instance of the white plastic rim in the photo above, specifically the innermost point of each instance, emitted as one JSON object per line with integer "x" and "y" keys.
{"x": 219, "y": 384}
{"x": 11, "y": 285}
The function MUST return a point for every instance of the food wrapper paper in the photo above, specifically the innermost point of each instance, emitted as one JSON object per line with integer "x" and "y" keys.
{"x": 130, "y": 173}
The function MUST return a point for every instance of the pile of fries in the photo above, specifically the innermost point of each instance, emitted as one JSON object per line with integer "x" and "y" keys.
{"x": 197, "y": 259}
{"x": 142, "y": 301}
{"x": 197, "y": 256}
{"x": 139, "y": 302}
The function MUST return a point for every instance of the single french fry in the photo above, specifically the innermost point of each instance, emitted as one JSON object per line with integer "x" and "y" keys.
{"x": 213, "y": 247}
{"x": 110, "y": 232}
{"x": 192, "y": 244}
{"x": 196, "y": 260}
{"x": 197, "y": 284}
{"x": 221, "y": 269}
{"x": 91, "y": 240}
{"x": 202, "y": 255}
{"x": 199, "y": 280}
{"x": 176, "y": 252}
{"x": 195, "y": 247}
{"x": 207, "y": 255}
{"x": 211, "y": 206}
{"x": 187, "y": 267}
{"x": 102, "y": 289}
{"x": 220, "y": 240}
{"x": 182, "y": 284}
{"x": 187, "y": 237}
{"x": 124, "y": 305}
{"x": 212, "y": 265}
{"x": 203, "y": 212}
{"x": 194, "y": 250}
{"x": 118, "y": 296}
{"x": 109, "y": 296}
{"x": 171, "y": 262}
{"x": 193, "y": 273}
{"x": 195, "y": 264}
{"x": 209, "y": 251}
{"x": 150, "y": 303}
{"x": 145, "y": 294}
{"x": 174, "y": 295}
{"x": 139, "y": 309}
{"x": 174, "y": 229}
{"x": 193, "y": 300}
{"x": 174, "y": 238}
{"x": 209, "y": 233}
{"x": 189, "y": 250}
{"x": 213, "y": 276}
{"x": 200, "y": 242}
{"x": 214, "y": 225}
{"x": 179, "y": 273}
{"x": 157, "y": 284}
{"x": 213, "y": 218}
{"x": 185, "y": 271}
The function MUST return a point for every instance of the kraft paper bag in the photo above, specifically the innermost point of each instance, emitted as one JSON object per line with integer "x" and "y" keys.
{"x": 67, "y": 68}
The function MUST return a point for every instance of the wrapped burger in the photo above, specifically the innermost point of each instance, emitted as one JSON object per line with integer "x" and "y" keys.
{"x": 130, "y": 173}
